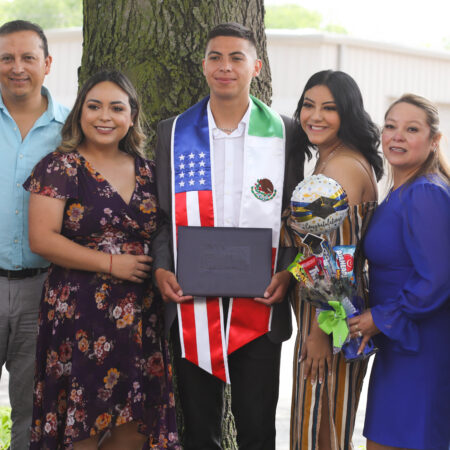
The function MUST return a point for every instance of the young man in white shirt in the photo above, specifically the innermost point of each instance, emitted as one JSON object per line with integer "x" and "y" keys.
{"x": 229, "y": 161}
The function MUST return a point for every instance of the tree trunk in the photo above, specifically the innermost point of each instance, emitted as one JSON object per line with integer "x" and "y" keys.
{"x": 160, "y": 44}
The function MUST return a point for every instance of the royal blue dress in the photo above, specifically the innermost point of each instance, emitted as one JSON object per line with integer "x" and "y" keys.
{"x": 408, "y": 248}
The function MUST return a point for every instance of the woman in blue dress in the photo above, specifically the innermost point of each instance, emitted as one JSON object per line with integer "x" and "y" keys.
{"x": 408, "y": 247}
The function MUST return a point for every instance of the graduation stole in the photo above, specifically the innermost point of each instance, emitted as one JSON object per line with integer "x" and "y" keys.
{"x": 201, "y": 321}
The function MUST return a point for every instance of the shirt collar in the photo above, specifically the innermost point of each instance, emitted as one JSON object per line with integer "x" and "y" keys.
{"x": 53, "y": 112}
{"x": 2, "y": 105}
{"x": 217, "y": 133}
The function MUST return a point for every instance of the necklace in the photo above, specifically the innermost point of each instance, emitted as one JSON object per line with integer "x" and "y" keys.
{"x": 227, "y": 130}
{"x": 321, "y": 166}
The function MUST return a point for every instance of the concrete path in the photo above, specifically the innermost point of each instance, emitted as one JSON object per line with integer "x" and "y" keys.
{"x": 284, "y": 403}
{"x": 4, "y": 397}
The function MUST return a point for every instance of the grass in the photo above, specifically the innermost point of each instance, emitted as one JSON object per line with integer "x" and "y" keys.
{"x": 5, "y": 427}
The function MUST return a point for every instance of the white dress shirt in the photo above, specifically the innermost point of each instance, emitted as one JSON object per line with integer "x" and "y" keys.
{"x": 228, "y": 170}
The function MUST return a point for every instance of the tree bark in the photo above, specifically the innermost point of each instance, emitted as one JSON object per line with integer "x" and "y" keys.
{"x": 160, "y": 44}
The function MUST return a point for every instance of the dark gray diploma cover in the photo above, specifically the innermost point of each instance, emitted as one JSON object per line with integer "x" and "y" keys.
{"x": 224, "y": 262}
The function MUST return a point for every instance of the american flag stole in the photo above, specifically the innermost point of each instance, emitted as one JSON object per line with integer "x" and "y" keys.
{"x": 204, "y": 340}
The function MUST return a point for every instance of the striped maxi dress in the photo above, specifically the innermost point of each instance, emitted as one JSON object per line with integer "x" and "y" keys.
{"x": 345, "y": 383}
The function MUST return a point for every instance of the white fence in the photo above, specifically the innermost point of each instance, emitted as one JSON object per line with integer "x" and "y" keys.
{"x": 383, "y": 71}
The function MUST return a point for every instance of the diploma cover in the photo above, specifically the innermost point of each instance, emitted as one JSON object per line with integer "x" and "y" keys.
{"x": 224, "y": 262}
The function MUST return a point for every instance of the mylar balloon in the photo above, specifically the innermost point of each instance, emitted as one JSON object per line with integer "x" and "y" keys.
{"x": 319, "y": 204}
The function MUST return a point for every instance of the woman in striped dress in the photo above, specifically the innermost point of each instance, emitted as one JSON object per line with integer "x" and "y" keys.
{"x": 326, "y": 389}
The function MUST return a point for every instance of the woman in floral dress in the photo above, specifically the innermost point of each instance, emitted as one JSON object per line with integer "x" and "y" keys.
{"x": 102, "y": 373}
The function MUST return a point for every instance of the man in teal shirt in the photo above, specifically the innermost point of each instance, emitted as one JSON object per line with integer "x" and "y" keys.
{"x": 30, "y": 126}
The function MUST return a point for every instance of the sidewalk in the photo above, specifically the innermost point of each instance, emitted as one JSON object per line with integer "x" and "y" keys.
{"x": 4, "y": 397}
{"x": 284, "y": 403}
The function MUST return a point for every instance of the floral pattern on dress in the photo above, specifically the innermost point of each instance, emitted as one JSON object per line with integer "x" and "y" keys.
{"x": 102, "y": 359}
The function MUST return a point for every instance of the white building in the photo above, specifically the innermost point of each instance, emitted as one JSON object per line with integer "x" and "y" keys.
{"x": 383, "y": 71}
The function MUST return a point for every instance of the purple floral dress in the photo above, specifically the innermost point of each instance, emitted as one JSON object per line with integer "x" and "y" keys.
{"x": 101, "y": 356}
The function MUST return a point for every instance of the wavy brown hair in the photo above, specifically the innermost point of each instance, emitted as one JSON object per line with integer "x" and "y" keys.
{"x": 72, "y": 134}
{"x": 436, "y": 162}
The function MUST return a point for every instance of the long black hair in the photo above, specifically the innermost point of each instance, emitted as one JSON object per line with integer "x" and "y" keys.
{"x": 357, "y": 129}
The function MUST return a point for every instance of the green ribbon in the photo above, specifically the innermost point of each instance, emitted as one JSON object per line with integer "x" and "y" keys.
{"x": 334, "y": 321}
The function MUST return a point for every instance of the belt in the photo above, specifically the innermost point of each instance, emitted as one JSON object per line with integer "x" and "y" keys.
{"x": 21, "y": 274}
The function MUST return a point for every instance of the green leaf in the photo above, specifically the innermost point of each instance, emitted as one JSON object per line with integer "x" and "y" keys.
{"x": 5, "y": 427}
{"x": 296, "y": 16}
{"x": 49, "y": 14}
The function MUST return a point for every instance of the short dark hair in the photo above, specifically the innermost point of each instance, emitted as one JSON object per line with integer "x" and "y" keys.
{"x": 232, "y": 29}
{"x": 357, "y": 128}
{"x": 72, "y": 134}
{"x": 23, "y": 25}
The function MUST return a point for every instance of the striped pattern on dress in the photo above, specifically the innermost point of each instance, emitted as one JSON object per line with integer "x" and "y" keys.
{"x": 345, "y": 383}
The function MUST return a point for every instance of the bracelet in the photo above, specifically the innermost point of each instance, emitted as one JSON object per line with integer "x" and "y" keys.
{"x": 110, "y": 263}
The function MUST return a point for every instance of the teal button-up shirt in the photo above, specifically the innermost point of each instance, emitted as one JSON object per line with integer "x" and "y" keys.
{"x": 17, "y": 159}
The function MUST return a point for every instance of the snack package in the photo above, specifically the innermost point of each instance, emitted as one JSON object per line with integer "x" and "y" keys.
{"x": 327, "y": 255}
{"x": 298, "y": 271}
{"x": 345, "y": 261}
{"x": 311, "y": 268}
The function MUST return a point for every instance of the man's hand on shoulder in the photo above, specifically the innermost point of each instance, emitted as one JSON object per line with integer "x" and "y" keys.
{"x": 168, "y": 286}
{"x": 276, "y": 291}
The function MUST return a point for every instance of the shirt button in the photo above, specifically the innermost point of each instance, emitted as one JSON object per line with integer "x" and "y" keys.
{"x": 17, "y": 211}
{"x": 16, "y": 241}
{"x": 21, "y": 156}
{"x": 17, "y": 267}
{"x": 18, "y": 184}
